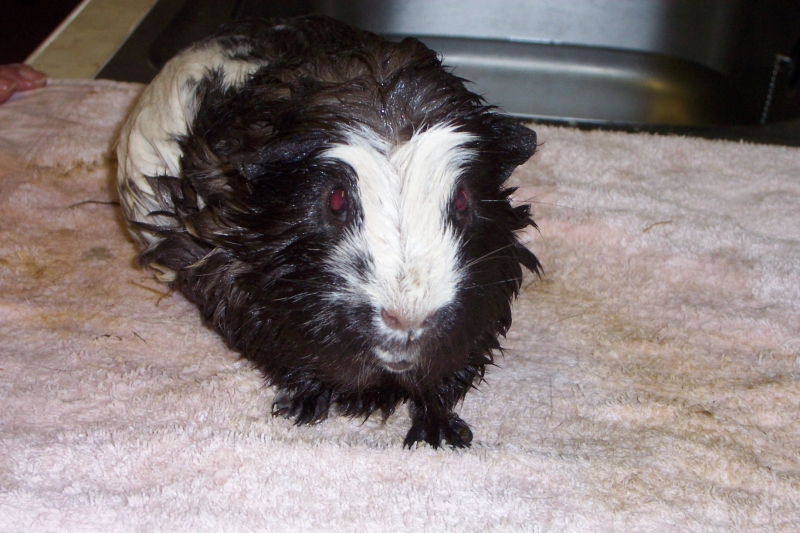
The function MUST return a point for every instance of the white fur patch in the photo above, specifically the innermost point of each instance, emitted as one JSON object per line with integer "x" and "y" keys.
{"x": 148, "y": 146}
{"x": 405, "y": 192}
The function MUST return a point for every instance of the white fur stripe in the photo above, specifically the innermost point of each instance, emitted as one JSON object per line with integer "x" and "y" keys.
{"x": 405, "y": 192}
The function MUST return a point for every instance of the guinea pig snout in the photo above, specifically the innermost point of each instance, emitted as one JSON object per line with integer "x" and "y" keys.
{"x": 399, "y": 338}
{"x": 401, "y": 324}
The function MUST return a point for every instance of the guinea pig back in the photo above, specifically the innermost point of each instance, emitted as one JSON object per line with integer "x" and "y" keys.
{"x": 334, "y": 204}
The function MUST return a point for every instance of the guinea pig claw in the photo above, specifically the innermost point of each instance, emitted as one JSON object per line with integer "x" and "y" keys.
{"x": 462, "y": 430}
{"x": 284, "y": 410}
{"x": 303, "y": 408}
{"x": 451, "y": 430}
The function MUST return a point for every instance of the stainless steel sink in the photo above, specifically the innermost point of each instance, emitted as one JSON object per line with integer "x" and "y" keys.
{"x": 578, "y": 83}
{"x": 712, "y": 67}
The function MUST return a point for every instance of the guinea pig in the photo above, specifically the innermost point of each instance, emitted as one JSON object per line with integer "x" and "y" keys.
{"x": 334, "y": 204}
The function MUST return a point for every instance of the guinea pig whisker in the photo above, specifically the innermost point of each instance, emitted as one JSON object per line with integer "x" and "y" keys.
{"x": 484, "y": 260}
{"x": 563, "y": 207}
{"x": 485, "y": 256}
{"x": 483, "y": 285}
{"x": 532, "y": 200}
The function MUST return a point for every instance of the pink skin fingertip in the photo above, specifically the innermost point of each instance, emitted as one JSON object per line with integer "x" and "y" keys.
{"x": 28, "y": 74}
{"x": 7, "y": 87}
{"x": 22, "y": 77}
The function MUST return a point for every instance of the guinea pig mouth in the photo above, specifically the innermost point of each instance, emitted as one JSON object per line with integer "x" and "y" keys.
{"x": 396, "y": 362}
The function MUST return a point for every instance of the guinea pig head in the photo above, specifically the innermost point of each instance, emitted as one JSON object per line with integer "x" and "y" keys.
{"x": 426, "y": 261}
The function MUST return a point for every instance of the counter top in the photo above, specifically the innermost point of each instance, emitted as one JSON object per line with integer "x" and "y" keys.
{"x": 80, "y": 46}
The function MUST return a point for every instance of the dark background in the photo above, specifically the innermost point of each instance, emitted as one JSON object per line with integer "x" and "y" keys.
{"x": 24, "y": 24}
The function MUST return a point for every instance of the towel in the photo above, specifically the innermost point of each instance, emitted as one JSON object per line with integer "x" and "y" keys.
{"x": 650, "y": 382}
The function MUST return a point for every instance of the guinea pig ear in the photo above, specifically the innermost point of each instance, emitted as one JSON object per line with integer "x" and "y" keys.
{"x": 280, "y": 151}
{"x": 517, "y": 142}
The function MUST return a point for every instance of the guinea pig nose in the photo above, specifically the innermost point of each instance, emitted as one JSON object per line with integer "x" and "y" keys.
{"x": 395, "y": 320}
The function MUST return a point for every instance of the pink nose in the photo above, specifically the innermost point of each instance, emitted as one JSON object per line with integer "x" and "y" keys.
{"x": 399, "y": 322}
{"x": 395, "y": 320}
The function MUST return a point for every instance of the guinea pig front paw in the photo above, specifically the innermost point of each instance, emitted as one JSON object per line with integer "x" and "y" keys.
{"x": 303, "y": 406}
{"x": 435, "y": 429}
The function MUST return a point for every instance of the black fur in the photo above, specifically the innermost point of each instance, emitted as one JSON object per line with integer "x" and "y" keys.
{"x": 250, "y": 257}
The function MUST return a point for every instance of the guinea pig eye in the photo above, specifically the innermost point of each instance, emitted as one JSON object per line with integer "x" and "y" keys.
{"x": 337, "y": 202}
{"x": 462, "y": 201}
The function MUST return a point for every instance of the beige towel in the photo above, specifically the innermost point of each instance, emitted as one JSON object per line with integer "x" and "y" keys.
{"x": 651, "y": 382}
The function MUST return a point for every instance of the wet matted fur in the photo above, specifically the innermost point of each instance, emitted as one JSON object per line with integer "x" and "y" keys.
{"x": 394, "y": 292}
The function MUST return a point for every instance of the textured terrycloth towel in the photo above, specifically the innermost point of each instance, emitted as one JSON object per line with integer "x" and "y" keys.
{"x": 651, "y": 382}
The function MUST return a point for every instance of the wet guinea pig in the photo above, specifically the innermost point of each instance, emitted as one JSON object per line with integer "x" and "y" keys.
{"x": 334, "y": 204}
